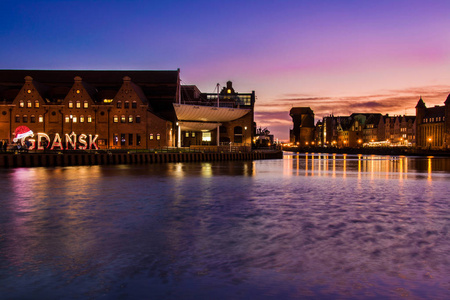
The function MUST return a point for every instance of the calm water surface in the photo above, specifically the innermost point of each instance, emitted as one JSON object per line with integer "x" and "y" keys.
{"x": 304, "y": 227}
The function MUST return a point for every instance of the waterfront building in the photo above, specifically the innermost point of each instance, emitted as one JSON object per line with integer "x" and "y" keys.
{"x": 302, "y": 133}
{"x": 117, "y": 110}
{"x": 433, "y": 125}
{"x": 213, "y": 119}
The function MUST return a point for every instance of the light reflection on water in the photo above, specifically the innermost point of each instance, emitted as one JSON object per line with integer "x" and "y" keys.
{"x": 308, "y": 226}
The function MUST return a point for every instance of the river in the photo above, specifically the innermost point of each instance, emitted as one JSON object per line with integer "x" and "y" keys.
{"x": 309, "y": 226}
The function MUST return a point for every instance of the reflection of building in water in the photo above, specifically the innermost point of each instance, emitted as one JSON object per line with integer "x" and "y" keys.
{"x": 433, "y": 125}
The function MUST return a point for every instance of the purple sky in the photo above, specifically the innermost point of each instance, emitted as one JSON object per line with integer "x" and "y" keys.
{"x": 337, "y": 57}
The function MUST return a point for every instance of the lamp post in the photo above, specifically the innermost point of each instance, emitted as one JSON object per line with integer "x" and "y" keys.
{"x": 429, "y": 143}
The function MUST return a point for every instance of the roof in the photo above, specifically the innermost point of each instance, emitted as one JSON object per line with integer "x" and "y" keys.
{"x": 160, "y": 87}
{"x": 433, "y": 112}
{"x": 301, "y": 111}
{"x": 208, "y": 113}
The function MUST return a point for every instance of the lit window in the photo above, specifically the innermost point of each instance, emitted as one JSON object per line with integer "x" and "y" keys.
{"x": 116, "y": 139}
{"x": 122, "y": 139}
{"x": 115, "y": 119}
{"x": 151, "y": 136}
{"x": 134, "y": 104}
{"x": 17, "y": 118}
{"x": 187, "y": 134}
{"x": 89, "y": 119}
{"x": 78, "y": 91}
{"x": 107, "y": 100}
{"x": 193, "y": 134}
{"x": 206, "y": 136}
{"x": 78, "y": 104}
{"x": 36, "y": 104}
{"x": 229, "y": 91}
{"x": 29, "y": 91}
{"x": 138, "y": 119}
{"x": 21, "y": 103}
{"x": 41, "y": 119}
{"x": 86, "y": 104}
{"x": 123, "y": 119}
{"x": 130, "y": 119}
{"x": 74, "y": 119}
{"x": 67, "y": 119}
{"x": 81, "y": 119}
{"x": 158, "y": 136}
{"x": 32, "y": 119}
{"x": 70, "y": 104}
{"x": 29, "y": 104}
{"x": 119, "y": 104}
{"x": 25, "y": 118}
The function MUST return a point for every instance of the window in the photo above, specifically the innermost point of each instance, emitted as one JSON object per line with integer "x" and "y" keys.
{"x": 138, "y": 119}
{"x": 151, "y": 136}
{"x": 17, "y": 118}
{"x": 158, "y": 136}
{"x": 116, "y": 119}
{"x": 138, "y": 139}
{"x": 21, "y": 103}
{"x": 70, "y": 104}
{"x": 119, "y": 104}
{"x": 193, "y": 134}
{"x": 32, "y": 119}
{"x": 78, "y": 104}
{"x": 134, "y": 104}
{"x": 67, "y": 119}
{"x": 206, "y": 136}
{"x": 130, "y": 139}
{"x": 122, "y": 139}
{"x": 238, "y": 134}
{"x": 86, "y": 104}
{"x": 25, "y": 118}
{"x": 89, "y": 119}
{"x": 187, "y": 133}
{"x": 36, "y": 103}
{"x": 74, "y": 119}
{"x": 41, "y": 119}
{"x": 81, "y": 119}
{"x": 123, "y": 119}
{"x": 115, "y": 139}
{"x": 130, "y": 119}
{"x": 127, "y": 104}
{"x": 29, "y": 105}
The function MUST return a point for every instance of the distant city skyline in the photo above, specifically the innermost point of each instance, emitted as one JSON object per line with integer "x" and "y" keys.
{"x": 337, "y": 57}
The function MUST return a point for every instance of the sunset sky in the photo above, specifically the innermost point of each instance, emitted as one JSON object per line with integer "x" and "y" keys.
{"x": 337, "y": 57}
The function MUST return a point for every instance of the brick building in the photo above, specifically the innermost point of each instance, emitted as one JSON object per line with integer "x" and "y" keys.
{"x": 116, "y": 110}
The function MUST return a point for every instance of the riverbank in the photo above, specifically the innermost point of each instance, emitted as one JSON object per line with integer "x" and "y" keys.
{"x": 14, "y": 160}
{"x": 370, "y": 151}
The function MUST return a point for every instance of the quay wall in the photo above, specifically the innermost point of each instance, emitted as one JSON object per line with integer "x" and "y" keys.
{"x": 17, "y": 160}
